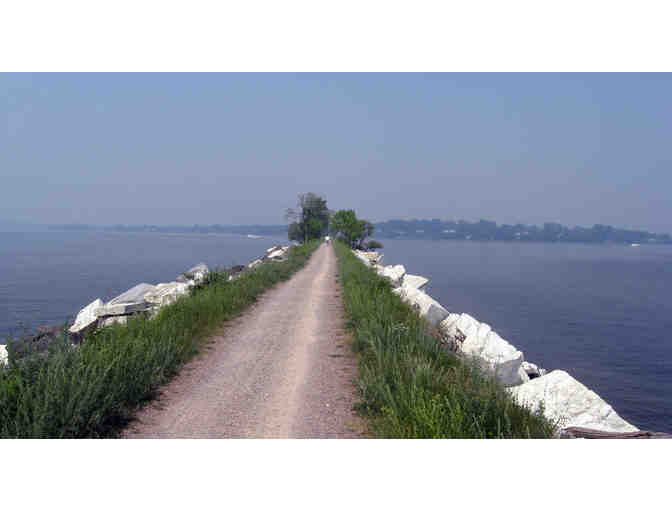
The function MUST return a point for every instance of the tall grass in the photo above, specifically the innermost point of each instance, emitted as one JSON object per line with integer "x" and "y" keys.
{"x": 91, "y": 391}
{"x": 411, "y": 386}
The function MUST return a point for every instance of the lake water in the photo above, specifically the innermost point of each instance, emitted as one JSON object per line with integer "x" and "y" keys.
{"x": 603, "y": 313}
{"x": 47, "y": 277}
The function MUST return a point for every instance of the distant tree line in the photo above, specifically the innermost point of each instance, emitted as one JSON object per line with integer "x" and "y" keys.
{"x": 317, "y": 223}
{"x": 267, "y": 230}
{"x": 489, "y": 230}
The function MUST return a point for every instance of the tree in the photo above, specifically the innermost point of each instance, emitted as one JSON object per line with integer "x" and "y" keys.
{"x": 311, "y": 218}
{"x": 345, "y": 223}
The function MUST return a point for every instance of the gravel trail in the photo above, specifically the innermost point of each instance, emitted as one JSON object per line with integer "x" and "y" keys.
{"x": 283, "y": 369}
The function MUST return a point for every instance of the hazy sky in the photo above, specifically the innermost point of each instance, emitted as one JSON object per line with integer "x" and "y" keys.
{"x": 237, "y": 148}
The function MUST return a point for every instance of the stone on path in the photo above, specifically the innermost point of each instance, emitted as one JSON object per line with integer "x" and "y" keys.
{"x": 569, "y": 403}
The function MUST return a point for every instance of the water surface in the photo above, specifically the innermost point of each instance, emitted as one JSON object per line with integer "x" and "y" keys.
{"x": 47, "y": 277}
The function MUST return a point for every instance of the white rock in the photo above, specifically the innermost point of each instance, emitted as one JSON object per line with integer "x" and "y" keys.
{"x": 199, "y": 268}
{"x": 414, "y": 281}
{"x": 428, "y": 308}
{"x": 197, "y": 273}
{"x": 394, "y": 273}
{"x": 533, "y": 370}
{"x": 86, "y": 318}
{"x": 119, "y": 319}
{"x": 277, "y": 254}
{"x": 3, "y": 355}
{"x": 166, "y": 293}
{"x": 122, "y": 308}
{"x": 569, "y": 403}
{"x": 133, "y": 295}
{"x": 273, "y": 248}
{"x": 370, "y": 258}
{"x": 254, "y": 263}
{"x": 492, "y": 352}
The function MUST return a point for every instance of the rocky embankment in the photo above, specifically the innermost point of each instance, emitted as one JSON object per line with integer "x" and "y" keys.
{"x": 143, "y": 299}
{"x": 565, "y": 400}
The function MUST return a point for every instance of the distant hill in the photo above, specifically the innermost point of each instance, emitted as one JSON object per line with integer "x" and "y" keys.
{"x": 489, "y": 231}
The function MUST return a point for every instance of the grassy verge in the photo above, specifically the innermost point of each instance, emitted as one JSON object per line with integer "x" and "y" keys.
{"x": 91, "y": 391}
{"x": 411, "y": 387}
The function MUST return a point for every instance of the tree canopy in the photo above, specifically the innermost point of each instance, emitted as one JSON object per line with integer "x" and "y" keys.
{"x": 345, "y": 223}
{"x": 311, "y": 218}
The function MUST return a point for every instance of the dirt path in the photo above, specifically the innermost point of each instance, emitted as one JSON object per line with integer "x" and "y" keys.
{"x": 282, "y": 370}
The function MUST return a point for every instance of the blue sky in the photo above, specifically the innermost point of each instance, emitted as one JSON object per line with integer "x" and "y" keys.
{"x": 237, "y": 148}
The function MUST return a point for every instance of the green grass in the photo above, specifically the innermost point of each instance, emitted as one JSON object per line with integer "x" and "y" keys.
{"x": 410, "y": 385}
{"x": 93, "y": 390}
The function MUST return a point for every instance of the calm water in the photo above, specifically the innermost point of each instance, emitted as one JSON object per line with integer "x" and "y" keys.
{"x": 602, "y": 313}
{"x": 47, "y": 277}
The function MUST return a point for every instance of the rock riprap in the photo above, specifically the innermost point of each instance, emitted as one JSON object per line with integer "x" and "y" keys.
{"x": 166, "y": 293}
{"x": 370, "y": 258}
{"x": 566, "y": 401}
{"x": 278, "y": 253}
{"x": 87, "y": 317}
{"x": 427, "y": 307}
{"x": 569, "y": 403}
{"x": 414, "y": 281}
{"x": 131, "y": 301}
{"x": 393, "y": 273}
{"x": 478, "y": 341}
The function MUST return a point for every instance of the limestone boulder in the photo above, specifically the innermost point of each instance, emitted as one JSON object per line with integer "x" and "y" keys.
{"x": 166, "y": 293}
{"x": 393, "y": 273}
{"x": 134, "y": 294}
{"x": 254, "y": 263}
{"x": 533, "y": 370}
{"x": 131, "y": 301}
{"x": 569, "y": 403}
{"x": 479, "y": 342}
{"x": 414, "y": 281}
{"x": 427, "y": 307}
{"x": 198, "y": 272}
{"x": 86, "y": 318}
{"x": 109, "y": 321}
{"x": 277, "y": 254}
{"x": 370, "y": 258}
{"x": 3, "y": 355}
